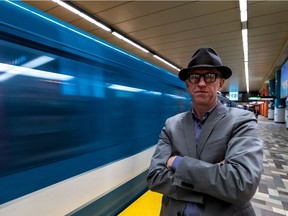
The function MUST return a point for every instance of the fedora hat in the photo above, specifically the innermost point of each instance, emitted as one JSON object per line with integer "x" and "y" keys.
{"x": 207, "y": 58}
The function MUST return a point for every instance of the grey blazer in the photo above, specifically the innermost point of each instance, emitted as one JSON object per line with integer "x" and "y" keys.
{"x": 228, "y": 134}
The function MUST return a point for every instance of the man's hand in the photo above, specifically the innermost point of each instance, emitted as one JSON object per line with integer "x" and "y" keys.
{"x": 170, "y": 161}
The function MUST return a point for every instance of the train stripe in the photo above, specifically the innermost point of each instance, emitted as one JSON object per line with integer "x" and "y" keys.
{"x": 66, "y": 196}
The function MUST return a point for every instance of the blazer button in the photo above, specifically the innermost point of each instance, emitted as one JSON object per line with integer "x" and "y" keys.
{"x": 188, "y": 185}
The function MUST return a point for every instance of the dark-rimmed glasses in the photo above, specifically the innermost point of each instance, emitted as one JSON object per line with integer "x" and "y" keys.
{"x": 208, "y": 77}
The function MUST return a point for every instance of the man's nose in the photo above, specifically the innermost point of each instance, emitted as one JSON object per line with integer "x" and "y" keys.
{"x": 202, "y": 81}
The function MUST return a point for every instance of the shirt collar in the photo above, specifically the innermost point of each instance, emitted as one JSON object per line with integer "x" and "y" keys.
{"x": 205, "y": 115}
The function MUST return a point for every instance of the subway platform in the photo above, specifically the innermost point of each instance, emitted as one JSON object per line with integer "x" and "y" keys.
{"x": 271, "y": 198}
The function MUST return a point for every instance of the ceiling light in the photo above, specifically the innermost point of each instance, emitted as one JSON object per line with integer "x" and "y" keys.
{"x": 85, "y": 16}
{"x": 166, "y": 62}
{"x": 129, "y": 41}
{"x": 244, "y": 25}
{"x": 243, "y": 10}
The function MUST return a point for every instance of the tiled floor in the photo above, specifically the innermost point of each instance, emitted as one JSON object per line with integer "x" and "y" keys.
{"x": 271, "y": 198}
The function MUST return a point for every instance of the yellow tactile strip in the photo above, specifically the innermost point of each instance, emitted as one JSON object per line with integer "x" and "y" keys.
{"x": 147, "y": 205}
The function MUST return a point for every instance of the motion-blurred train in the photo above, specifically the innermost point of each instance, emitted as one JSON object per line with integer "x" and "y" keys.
{"x": 79, "y": 117}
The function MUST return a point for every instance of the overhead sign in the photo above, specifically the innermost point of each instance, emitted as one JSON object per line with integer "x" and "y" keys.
{"x": 254, "y": 98}
{"x": 233, "y": 96}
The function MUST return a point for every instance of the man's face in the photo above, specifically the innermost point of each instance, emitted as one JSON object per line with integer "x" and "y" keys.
{"x": 204, "y": 93}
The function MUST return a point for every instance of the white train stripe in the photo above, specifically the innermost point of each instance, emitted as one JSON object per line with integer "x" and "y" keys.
{"x": 66, "y": 196}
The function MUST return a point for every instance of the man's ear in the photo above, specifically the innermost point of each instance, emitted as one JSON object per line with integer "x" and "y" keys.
{"x": 222, "y": 81}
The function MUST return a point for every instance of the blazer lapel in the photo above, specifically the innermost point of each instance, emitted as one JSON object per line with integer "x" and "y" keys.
{"x": 189, "y": 131}
{"x": 209, "y": 125}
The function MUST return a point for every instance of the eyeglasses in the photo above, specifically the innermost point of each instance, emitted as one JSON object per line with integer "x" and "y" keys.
{"x": 208, "y": 77}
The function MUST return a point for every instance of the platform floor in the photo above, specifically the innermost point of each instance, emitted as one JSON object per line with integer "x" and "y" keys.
{"x": 271, "y": 198}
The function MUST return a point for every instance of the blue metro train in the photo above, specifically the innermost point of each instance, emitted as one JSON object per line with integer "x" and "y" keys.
{"x": 79, "y": 117}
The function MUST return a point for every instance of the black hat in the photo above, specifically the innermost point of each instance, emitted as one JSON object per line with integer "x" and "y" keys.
{"x": 207, "y": 58}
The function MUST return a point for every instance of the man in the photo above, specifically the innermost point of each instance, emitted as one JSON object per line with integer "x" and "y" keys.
{"x": 208, "y": 161}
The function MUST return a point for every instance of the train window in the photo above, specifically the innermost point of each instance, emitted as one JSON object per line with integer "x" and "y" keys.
{"x": 25, "y": 68}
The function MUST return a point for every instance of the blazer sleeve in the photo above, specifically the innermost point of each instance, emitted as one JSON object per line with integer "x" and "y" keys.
{"x": 160, "y": 178}
{"x": 237, "y": 179}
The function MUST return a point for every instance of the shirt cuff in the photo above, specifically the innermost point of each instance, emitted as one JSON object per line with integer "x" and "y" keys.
{"x": 176, "y": 162}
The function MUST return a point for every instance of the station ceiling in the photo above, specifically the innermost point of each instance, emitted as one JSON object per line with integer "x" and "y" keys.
{"x": 176, "y": 29}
